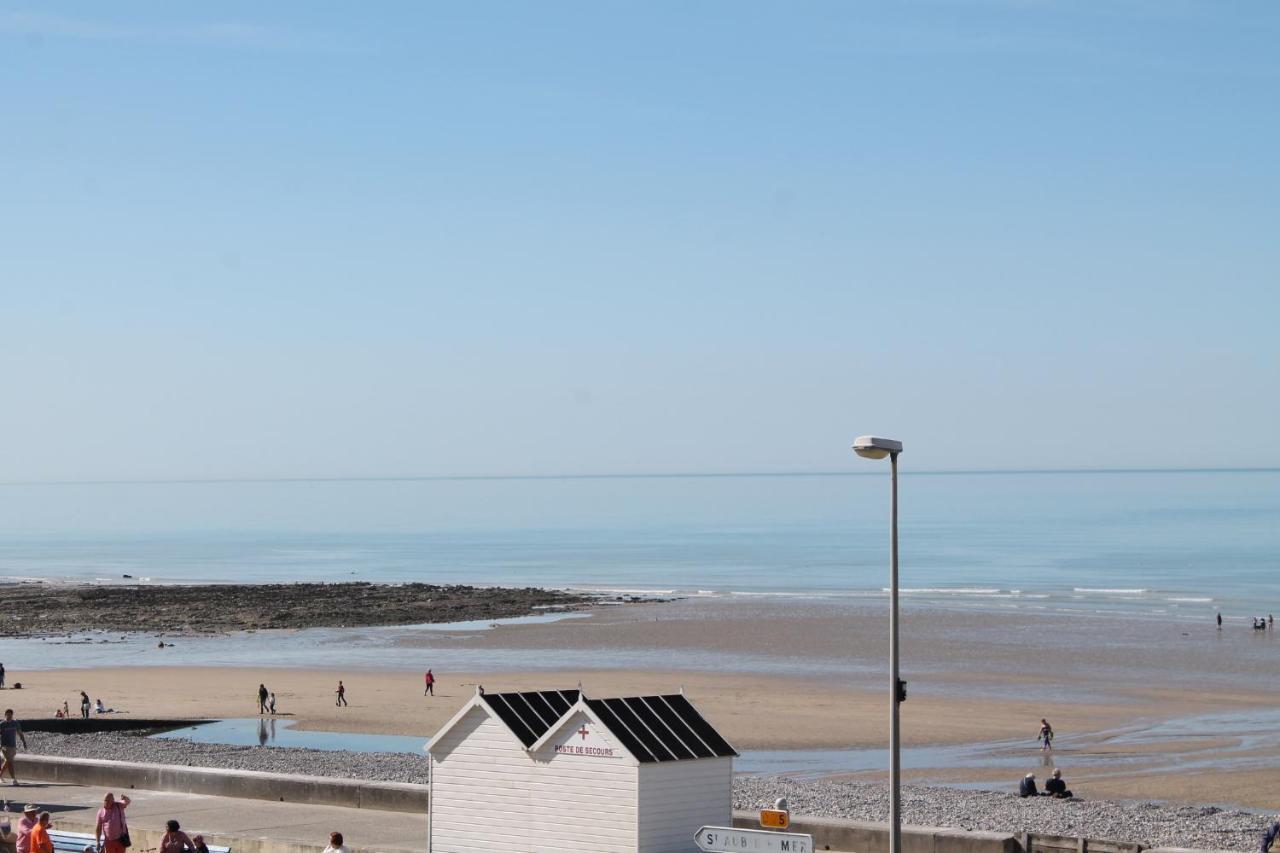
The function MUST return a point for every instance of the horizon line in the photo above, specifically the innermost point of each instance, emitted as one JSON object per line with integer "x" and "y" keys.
{"x": 669, "y": 475}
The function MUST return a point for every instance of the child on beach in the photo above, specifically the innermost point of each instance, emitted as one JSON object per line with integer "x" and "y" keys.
{"x": 271, "y": 704}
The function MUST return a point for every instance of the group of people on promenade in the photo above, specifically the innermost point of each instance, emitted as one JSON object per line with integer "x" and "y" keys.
{"x": 111, "y": 832}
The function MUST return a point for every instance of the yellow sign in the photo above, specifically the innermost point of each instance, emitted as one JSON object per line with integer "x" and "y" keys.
{"x": 775, "y": 818}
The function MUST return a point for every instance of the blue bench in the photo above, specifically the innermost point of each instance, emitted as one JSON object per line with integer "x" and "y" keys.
{"x": 75, "y": 842}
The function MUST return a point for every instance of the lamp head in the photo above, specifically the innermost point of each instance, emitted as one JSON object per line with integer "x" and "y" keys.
{"x": 872, "y": 447}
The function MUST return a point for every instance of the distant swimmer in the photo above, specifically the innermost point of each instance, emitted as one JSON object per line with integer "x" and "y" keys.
{"x": 1046, "y": 734}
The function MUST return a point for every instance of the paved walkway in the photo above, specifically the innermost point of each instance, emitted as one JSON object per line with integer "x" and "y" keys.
{"x": 247, "y": 826}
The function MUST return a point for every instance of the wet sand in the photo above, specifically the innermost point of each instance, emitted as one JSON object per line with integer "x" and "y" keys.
{"x": 810, "y": 674}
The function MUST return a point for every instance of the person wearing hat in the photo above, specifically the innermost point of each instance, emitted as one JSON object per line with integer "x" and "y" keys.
{"x": 26, "y": 823}
{"x": 1027, "y": 788}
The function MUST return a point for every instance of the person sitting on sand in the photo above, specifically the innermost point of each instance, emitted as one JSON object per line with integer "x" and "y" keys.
{"x": 1027, "y": 788}
{"x": 1055, "y": 786}
{"x": 198, "y": 841}
{"x": 102, "y": 709}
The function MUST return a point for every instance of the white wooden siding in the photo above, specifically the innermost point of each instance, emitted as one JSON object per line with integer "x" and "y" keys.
{"x": 678, "y": 797}
{"x": 489, "y": 796}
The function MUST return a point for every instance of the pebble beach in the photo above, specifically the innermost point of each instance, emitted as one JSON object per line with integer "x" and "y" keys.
{"x": 1150, "y": 823}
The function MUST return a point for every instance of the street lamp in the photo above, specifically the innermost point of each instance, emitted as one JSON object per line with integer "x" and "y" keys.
{"x": 871, "y": 447}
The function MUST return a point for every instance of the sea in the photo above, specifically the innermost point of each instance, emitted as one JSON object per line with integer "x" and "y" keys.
{"x": 1154, "y": 538}
{"x": 1151, "y": 544}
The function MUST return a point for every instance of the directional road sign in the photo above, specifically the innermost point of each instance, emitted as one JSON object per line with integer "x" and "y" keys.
{"x": 723, "y": 839}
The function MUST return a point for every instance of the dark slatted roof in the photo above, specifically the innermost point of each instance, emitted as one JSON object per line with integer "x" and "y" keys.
{"x": 530, "y": 715}
{"x": 652, "y": 728}
{"x": 660, "y": 728}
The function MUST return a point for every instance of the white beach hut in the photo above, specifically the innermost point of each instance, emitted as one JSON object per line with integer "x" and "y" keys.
{"x": 553, "y": 770}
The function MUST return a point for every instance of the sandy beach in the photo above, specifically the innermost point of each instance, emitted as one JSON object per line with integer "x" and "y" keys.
{"x": 1142, "y": 708}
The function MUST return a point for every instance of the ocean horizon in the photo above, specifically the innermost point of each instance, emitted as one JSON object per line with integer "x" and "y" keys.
{"x": 1147, "y": 542}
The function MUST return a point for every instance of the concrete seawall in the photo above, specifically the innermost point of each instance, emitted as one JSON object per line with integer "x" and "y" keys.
{"x": 829, "y": 834}
{"x": 246, "y": 784}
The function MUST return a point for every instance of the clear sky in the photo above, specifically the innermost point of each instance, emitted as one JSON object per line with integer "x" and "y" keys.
{"x": 333, "y": 239}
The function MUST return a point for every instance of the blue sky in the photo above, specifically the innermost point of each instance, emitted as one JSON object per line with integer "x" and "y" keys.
{"x": 322, "y": 239}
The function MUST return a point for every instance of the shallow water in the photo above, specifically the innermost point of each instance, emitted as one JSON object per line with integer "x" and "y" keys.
{"x": 1221, "y": 742}
{"x": 272, "y": 731}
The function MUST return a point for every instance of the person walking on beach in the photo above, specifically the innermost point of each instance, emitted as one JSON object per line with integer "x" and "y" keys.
{"x": 431, "y": 684}
{"x": 342, "y": 694}
{"x": 85, "y": 704}
{"x": 1046, "y": 734}
{"x": 262, "y": 698}
{"x": 111, "y": 830}
{"x": 10, "y": 731}
{"x": 1, "y": 676}
{"x": 271, "y": 704}
{"x": 1219, "y": 620}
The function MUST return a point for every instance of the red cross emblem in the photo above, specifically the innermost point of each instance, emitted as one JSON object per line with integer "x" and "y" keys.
{"x": 583, "y": 731}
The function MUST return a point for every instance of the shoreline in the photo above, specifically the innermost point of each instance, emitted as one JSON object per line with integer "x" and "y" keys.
{"x": 1134, "y": 703}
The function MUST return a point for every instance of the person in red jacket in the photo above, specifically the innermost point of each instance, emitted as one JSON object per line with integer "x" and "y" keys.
{"x": 430, "y": 681}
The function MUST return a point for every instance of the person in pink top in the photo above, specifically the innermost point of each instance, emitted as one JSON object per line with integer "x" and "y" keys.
{"x": 26, "y": 823}
{"x": 430, "y": 680}
{"x": 111, "y": 824}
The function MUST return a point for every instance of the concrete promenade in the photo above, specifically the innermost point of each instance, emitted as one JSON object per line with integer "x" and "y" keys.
{"x": 247, "y": 826}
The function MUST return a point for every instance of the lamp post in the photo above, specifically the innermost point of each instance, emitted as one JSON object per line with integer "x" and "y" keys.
{"x": 871, "y": 447}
